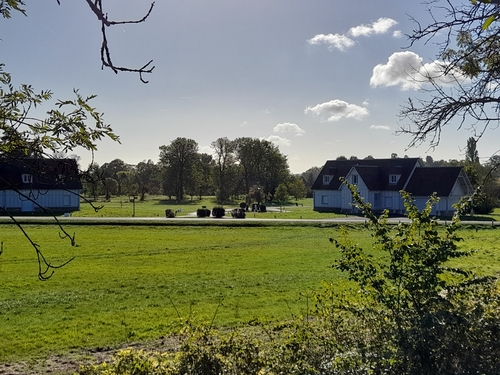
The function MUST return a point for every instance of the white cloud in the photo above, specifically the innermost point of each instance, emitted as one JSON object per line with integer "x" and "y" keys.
{"x": 381, "y": 26}
{"x": 279, "y": 141}
{"x": 366, "y": 102}
{"x": 335, "y": 40}
{"x": 397, "y": 34}
{"x": 380, "y": 127}
{"x": 287, "y": 127}
{"x": 336, "y": 109}
{"x": 406, "y": 69}
{"x": 244, "y": 123}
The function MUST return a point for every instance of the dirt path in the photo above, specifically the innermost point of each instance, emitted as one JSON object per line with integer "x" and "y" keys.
{"x": 70, "y": 363}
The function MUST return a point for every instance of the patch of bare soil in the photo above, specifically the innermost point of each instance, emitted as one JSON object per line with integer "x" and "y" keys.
{"x": 70, "y": 363}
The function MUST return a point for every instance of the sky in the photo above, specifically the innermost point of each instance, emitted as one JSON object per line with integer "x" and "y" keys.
{"x": 319, "y": 78}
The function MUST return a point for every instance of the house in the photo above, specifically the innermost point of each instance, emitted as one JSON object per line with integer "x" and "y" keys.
{"x": 379, "y": 182}
{"x": 32, "y": 185}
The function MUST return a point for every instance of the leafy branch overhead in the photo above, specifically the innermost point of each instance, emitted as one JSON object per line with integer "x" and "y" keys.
{"x": 73, "y": 124}
{"x": 96, "y": 6}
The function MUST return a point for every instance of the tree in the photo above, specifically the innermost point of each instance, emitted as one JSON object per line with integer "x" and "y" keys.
{"x": 96, "y": 7}
{"x": 281, "y": 194}
{"x": 471, "y": 153}
{"x": 147, "y": 178}
{"x": 466, "y": 86}
{"x": 225, "y": 171}
{"x": 203, "y": 175}
{"x": 428, "y": 316}
{"x": 112, "y": 170}
{"x": 296, "y": 187}
{"x": 178, "y": 159}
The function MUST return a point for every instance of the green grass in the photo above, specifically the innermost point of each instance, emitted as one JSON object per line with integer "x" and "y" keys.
{"x": 155, "y": 206}
{"x": 127, "y": 282}
{"x": 130, "y": 283}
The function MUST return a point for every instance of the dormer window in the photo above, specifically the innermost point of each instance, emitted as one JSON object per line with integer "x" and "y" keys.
{"x": 326, "y": 179}
{"x": 394, "y": 178}
{"x": 27, "y": 178}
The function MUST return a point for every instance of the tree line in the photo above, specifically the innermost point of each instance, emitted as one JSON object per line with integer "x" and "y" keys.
{"x": 244, "y": 167}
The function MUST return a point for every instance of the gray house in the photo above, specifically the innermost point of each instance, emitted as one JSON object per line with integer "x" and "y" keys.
{"x": 380, "y": 180}
{"x": 27, "y": 185}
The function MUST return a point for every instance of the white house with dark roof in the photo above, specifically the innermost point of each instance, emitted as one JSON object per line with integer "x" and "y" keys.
{"x": 32, "y": 185}
{"x": 379, "y": 182}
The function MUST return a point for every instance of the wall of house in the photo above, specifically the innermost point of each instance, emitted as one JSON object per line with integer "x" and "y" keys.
{"x": 55, "y": 200}
{"x": 327, "y": 200}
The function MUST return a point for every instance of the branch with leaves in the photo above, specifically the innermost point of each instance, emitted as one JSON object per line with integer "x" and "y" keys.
{"x": 24, "y": 138}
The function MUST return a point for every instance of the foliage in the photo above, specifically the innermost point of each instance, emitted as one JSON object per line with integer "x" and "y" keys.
{"x": 24, "y": 136}
{"x": 296, "y": 187}
{"x": 281, "y": 193}
{"x": 177, "y": 161}
{"x": 435, "y": 312}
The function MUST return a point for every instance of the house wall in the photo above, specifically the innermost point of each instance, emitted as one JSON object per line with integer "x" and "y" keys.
{"x": 327, "y": 200}
{"x": 56, "y": 200}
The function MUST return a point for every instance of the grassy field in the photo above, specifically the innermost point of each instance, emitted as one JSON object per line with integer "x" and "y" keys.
{"x": 137, "y": 283}
{"x": 131, "y": 283}
{"x": 155, "y": 206}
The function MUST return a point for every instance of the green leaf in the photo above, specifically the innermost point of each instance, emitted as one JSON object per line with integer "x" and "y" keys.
{"x": 488, "y": 21}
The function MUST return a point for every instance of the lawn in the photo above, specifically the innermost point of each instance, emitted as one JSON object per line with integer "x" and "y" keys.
{"x": 155, "y": 206}
{"x": 133, "y": 283}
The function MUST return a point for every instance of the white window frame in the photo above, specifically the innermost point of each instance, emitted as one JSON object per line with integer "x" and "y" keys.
{"x": 326, "y": 179}
{"x": 354, "y": 179}
{"x": 393, "y": 179}
{"x": 27, "y": 178}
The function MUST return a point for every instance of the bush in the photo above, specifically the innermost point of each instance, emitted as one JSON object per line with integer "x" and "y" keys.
{"x": 218, "y": 212}
{"x": 202, "y": 212}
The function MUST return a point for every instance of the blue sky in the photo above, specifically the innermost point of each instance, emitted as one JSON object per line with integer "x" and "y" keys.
{"x": 320, "y": 78}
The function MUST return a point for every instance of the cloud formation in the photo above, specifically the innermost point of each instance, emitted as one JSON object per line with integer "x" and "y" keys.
{"x": 279, "y": 141}
{"x": 287, "y": 127}
{"x": 338, "y": 41}
{"x": 381, "y": 26}
{"x": 336, "y": 109}
{"x": 342, "y": 42}
{"x": 405, "y": 69}
{"x": 380, "y": 127}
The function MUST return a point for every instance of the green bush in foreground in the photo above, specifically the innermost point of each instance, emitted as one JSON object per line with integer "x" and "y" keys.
{"x": 414, "y": 315}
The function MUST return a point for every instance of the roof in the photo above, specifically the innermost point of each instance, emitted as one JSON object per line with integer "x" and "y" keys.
{"x": 374, "y": 172}
{"x": 439, "y": 180}
{"x": 46, "y": 174}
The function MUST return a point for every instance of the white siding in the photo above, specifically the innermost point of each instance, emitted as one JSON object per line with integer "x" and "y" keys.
{"x": 57, "y": 199}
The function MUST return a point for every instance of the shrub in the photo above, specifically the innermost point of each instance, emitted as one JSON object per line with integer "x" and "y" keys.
{"x": 218, "y": 212}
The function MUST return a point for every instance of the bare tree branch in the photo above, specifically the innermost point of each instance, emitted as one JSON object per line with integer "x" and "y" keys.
{"x": 469, "y": 52}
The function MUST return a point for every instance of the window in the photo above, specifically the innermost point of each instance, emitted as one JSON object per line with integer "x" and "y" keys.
{"x": 27, "y": 178}
{"x": 326, "y": 179}
{"x": 66, "y": 200}
{"x": 324, "y": 199}
{"x": 394, "y": 178}
{"x": 354, "y": 178}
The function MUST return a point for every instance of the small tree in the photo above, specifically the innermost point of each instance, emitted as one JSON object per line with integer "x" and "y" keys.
{"x": 429, "y": 310}
{"x": 281, "y": 194}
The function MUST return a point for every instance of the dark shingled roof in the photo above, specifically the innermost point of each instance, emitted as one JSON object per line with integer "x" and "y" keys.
{"x": 438, "y": 180}
{"x": 374, "y": 172}
{"x": 46, "y": 174}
